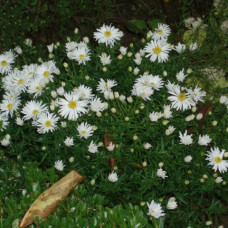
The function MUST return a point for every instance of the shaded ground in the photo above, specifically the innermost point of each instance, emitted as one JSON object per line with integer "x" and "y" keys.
{"x": 50, "y": 21}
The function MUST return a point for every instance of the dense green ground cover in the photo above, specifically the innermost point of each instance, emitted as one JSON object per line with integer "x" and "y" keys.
{"x": 151, "y": 163}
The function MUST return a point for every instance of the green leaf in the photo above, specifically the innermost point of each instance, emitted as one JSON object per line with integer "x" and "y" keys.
{"x": 136, "y": 26}
{"x": 161, "y": 223}
{"x": 214, "y": 25}
{"x": 222, "y": 83}
{"x": 193, "y": 35}
{"x": 153, "y": 24}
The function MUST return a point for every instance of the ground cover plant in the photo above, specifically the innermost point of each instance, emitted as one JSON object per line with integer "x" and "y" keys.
{"x": 138, "y": 121}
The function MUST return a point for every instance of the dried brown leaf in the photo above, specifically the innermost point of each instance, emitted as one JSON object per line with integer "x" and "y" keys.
{"x": 51, "y": 198}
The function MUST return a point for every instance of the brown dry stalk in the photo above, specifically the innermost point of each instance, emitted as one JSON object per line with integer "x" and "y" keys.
{"x": 107, "y": 141}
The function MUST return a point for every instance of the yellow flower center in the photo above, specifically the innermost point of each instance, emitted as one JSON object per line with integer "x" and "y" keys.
{"x": 218, "y": 159}
{"x": 46, "y": 73}
{"x": 4, "y": 63}
{"x": 181, "y": 97}
{"x": 106, "y": 85}
{"x": 107, "y": 33}
{"x": 48, "y": 123}
{"x": 151, "y": 84}
{"x": 37, "y": 88}
{"x": 157, "y": 50}
{"x": 81, "y": 56}
{"x": 143, "y": 94}
{"x": 159, "y": 31}
{"x": 35, "y": 112}
{"x": 21, "y": 81}
{"x": 10, "y": 106}
{"x": 83, "y": 132}
{"x": 144, "y": 84}
{"x": 31, "y": 73}
{"x": 72, "y": 104}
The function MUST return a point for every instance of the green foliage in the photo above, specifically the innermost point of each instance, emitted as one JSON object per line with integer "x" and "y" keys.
{"x": 27, "y": 164}
{"x": 194, "y": 35}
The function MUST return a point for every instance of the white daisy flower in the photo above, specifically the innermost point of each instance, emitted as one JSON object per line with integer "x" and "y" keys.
{"x": 167, "y": 112}
{"x": 204, "y": 140}
{"x": 19, "y": 121}
{"x": 93, "y": 148}
{"x": 85, "y": 130}
{"x": 223, "y": 99}
{"x": 7, "y": 82}
{"x": 20, "y": 81}
{"x": 218, "y": 180}
{"x": 123, "y": 50}
{"x": 50, "y": 48}
{"x": 172, "y": 204}
{"x": 162, "y": 32}
{"x": 155, "y": 116}
{"x": 197, "y": 94}
{"x": 18, "y": 49}
{"x": 189, "y": 118}
{"x": 147, "y": 146}
{"x": 193, "y": 46}
{"x": 28, "y": 42}
{"x": 81, "y": 55}
{"x": 29, "y": 70}
{"x": 3, "y": 121}
{"x": 6, "y": 61}
{"x": 60, "y": 91}
{"x": 59, "y": 165}
{"x": 5, "y": 142}
{"x": 180, "y": 76}
{"x": 155, "y": 209}
{"x": 142, "y": 81}
{"x": 46, "y": 70}
{"x": 180, "y": 48}
{"x": 155, "y": 82}
{"x": 185, "y": 138}
{"x": 136, "y": 71}
{"x": 181, "y": 100}
{"x": 33, "y": 110}
{"x": 85, "y": 92}
{"x": 161, "y": 173}
{"x": 11, "y": 95}
{"x": 113, "y": 177}
{"x": 63, "y": 124}
{"x": 69, "y": 141}
{"x": 170, "y": 130}
{"x": 71, "y": 46}
{"x": 157, "y": 49}
{"x": 105, "y": 59}
{"x": 188, "y": 159}
{"x": 106, "y": 86}
{"x": 9, "y": 106}
{"x": 138, "y": 60}
{"x": 46, "y": 122}
{"x": 172, "y": 87}
{"x": 215, "y": 158}
{"x": 144, "y": 92}
{"x": 72, "y": 107}
{"x": 96, "y": 105}
{"x": 188, "y": 22}
{"x": 199, "y": 116}
{"x": 110, "y": 147}
{"x": 35, "y": 87}
{"x": 108, "y": 35}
